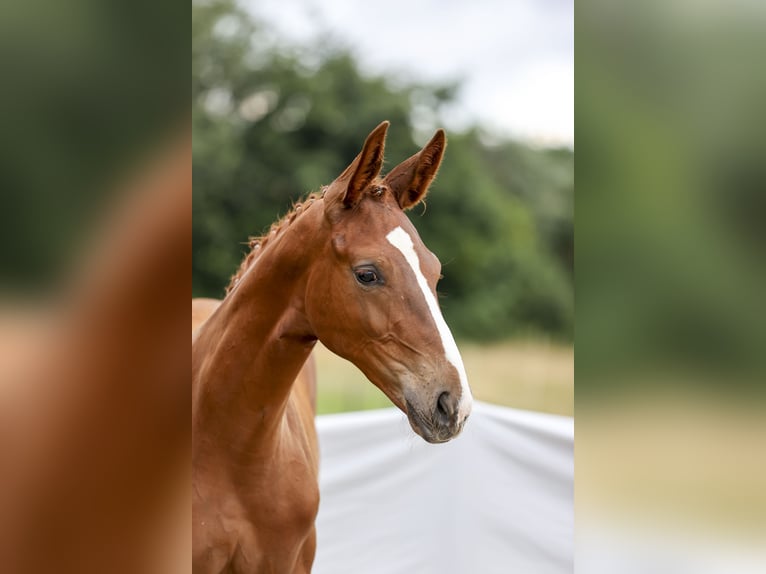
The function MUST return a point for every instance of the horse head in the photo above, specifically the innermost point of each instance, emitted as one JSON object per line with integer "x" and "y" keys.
{"x": 373, "y": 300}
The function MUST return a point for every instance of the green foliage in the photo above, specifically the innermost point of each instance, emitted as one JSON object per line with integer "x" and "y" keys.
{"x": 272, "y": 123}
{"x": 82, "y": 102}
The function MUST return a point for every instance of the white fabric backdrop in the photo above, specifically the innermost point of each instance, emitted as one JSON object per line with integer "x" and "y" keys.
{"x": 498, "y": 499}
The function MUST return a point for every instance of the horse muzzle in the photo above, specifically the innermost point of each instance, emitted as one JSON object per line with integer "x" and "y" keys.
{"x": 440, "y": 422}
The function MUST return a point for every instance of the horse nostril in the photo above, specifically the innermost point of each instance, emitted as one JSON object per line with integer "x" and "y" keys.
{"x": 444, "y": 407}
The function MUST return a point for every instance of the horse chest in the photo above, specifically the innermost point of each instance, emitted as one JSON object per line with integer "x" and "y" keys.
{"x": 286, "y": 499}
{"x": 265, "y": 522}
{"x": 280, "y": 521}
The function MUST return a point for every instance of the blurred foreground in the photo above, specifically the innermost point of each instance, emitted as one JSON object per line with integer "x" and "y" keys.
{"x": 95, "y": 219}
{"x": 94, "y": 391}
{"x": 670, "y": 281}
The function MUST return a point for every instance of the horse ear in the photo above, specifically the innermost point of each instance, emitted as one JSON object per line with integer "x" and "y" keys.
{"x": 410, "y": 180}
{"x": 366, "y": 166}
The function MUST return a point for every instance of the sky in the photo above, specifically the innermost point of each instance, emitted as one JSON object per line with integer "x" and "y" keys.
{"x": 514, "y": 58}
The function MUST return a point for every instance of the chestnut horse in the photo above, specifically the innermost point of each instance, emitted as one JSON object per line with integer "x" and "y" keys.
{"x": 347, "y": 268}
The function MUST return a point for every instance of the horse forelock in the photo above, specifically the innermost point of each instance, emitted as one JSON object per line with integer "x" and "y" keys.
{"x": 257, "y": 244}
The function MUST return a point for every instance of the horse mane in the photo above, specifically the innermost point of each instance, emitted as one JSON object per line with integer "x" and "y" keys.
{"x": 257, "y": 244}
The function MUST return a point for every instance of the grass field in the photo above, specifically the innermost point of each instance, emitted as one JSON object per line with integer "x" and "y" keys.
{"x": 528, "y": 375}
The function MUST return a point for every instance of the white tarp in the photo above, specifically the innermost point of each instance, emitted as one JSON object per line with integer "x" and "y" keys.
{"x": 498, "y": 499}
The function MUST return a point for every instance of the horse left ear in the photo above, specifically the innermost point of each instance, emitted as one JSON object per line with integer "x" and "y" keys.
{"x": 409, "y": 181}
{"x": 365, "y": 167}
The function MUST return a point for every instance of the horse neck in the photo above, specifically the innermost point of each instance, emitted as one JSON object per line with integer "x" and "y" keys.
{"x": 248, "y": 353}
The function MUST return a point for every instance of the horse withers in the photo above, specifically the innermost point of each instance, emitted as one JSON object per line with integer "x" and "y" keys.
{"x": 348, "y": 268}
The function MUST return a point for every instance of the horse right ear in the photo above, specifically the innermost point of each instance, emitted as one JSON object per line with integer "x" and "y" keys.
{"x": 365, "y": 168}
{"x": 409, "y": 181}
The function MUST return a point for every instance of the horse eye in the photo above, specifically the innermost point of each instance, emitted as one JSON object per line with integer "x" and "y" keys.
{"x": 366, "y": 276}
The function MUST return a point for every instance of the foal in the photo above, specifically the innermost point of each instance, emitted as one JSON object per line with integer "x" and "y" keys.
{"x": 346, "y": 268}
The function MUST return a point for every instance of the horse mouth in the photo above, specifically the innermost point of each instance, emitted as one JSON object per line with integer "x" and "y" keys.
{"x": 426, "y": 428}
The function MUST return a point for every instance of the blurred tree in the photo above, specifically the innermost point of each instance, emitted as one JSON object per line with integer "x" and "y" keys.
{"x": 272, "y": 122}
{"x": 82, "y": 102}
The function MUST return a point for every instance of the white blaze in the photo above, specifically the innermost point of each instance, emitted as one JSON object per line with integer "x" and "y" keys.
{"x": 400, "y": 239}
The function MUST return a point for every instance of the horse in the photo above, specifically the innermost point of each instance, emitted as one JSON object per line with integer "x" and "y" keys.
{"x": 345, "y": 267}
